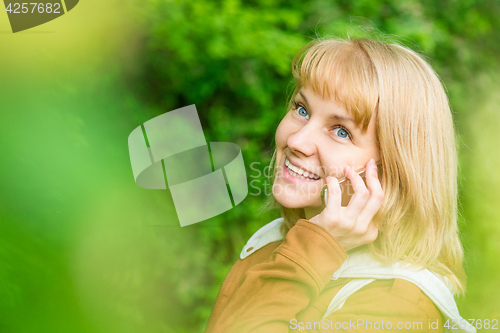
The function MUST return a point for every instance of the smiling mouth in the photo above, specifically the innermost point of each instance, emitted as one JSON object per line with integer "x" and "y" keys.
{"x": 299, "y": 173}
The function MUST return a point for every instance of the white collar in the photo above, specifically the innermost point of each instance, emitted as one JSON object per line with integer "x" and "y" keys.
{"x": 265, "y": 235}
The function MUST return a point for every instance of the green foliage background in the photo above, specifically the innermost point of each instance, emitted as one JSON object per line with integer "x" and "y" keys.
{"x": 83, "y": 249}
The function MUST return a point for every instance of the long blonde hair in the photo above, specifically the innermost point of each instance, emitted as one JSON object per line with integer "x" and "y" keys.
{"x": 417, "y": 143}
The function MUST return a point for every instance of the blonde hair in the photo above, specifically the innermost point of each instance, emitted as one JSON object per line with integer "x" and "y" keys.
{"x": 416, "y": 138}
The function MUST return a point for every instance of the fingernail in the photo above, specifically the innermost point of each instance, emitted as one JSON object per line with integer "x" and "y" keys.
{"x": 372, "y": 161}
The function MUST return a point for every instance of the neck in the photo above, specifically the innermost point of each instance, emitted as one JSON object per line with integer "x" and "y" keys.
{"x": 310, "y": 212}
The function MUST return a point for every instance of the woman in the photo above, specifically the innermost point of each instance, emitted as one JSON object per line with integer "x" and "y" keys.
{"x": 392, "y": 258}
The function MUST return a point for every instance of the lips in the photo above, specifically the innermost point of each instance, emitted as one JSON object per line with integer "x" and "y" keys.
{"x": 299, "y": 172}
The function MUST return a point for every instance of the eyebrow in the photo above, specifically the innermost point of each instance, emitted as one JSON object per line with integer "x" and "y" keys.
{"x": 333, "y": 116}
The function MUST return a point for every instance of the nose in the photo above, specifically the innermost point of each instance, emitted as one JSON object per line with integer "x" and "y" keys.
{"x": 304, "y": 141}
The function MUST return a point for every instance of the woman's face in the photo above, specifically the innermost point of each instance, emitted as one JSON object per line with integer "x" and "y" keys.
{"x": 319, "y": 138}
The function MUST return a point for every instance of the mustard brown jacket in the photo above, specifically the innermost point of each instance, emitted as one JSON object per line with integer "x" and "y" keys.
{"x": 287, "y": 286}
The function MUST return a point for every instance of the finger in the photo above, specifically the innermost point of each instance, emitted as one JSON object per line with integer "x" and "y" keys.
{"x": 376, "y": 194}
{"x": 371, "y": 234}
{"x": 361, "y": 194}
{"x": 372, "y": 181}
{"x": 334, "y": 196}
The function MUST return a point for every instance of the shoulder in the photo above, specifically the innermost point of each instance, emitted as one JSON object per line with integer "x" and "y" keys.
{"x": 409, "y": 293}
{"x": 400, "y": 295}
{"x": 399, "y": 291}
{"x": 392, "y": 300}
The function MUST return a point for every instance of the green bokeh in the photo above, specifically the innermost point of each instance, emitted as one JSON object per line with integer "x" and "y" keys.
{"x": 83, "y": 249}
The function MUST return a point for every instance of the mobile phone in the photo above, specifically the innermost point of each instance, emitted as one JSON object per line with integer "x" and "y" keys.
{"x": 346, "y": 187}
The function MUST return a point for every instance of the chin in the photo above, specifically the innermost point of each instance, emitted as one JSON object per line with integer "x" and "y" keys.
{"x": 288, "y": 202}
{"x": 291, "y": 198}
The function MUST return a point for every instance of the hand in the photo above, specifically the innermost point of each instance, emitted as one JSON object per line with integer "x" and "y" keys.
{"x": 352, "y": 226}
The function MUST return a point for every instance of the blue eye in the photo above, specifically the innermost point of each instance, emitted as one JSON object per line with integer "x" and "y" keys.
{"x": 302, "y": 112}
{"x": 342, "y": 133}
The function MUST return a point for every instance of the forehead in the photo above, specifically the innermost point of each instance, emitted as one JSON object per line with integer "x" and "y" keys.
{"x": 340, "y": 71}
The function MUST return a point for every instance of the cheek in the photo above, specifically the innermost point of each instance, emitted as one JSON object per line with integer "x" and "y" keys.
{"x": 334, "y": 160}
{"x": 283, "y": 131}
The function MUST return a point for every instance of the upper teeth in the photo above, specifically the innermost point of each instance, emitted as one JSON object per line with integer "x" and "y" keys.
{"x": 299, "y": 173}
